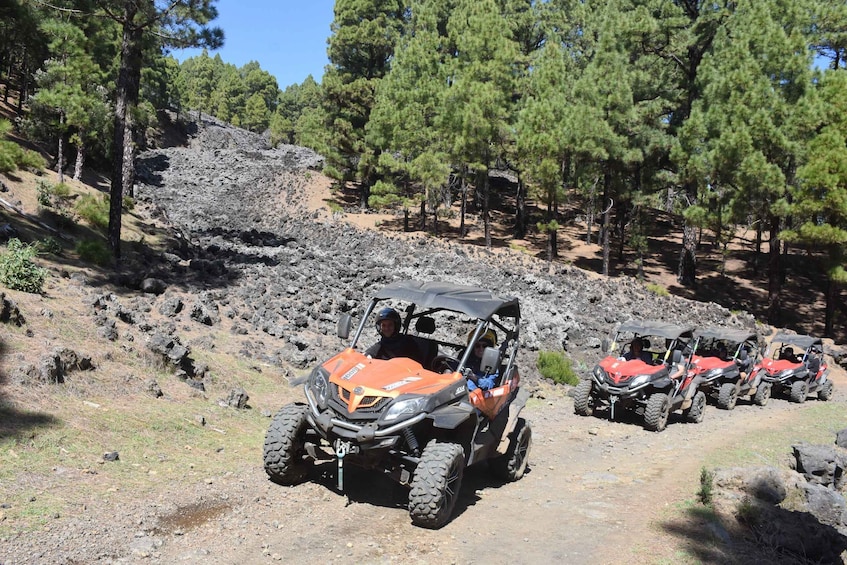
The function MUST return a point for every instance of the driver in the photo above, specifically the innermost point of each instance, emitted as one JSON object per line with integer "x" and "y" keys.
{"x": 391, "y": 343}
{"x": 636, "y": 351}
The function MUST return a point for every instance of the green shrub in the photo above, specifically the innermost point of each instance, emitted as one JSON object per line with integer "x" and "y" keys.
{"x": 44, "y": 191}
{"x": 61, "y": 190}
{"x": 95, "y": 252}
{"x": 17, "y": 271}
{"x": 94, "y": 210}
{"x": 128, "y": 203}
{"x": 657, "y": 289}
{"x": 557, "y": 368}
{"x": 31, "y": 160}
{"x": 707, "y": 479}
{"x": 50, "y": 245}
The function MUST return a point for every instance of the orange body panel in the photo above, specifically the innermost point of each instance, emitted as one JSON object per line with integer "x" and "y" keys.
{"x": 367, "y": 380}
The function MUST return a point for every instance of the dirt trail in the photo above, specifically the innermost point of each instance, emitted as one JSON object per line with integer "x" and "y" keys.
{"x": 597, "y": 492}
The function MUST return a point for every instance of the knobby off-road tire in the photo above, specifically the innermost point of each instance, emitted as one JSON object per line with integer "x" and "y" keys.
{"x": 697, "y": 410}
{"x": 799, "y": 391}
{"x": 763, "y": 394}
{"x": 727, "y": 396}
{"x": 512, "y": 465}
{"x": 286, "y": 460}
{"x": 582, "y": 398}
{"x": 657, "y": 411}
{"x": 436, "y": 483}
{"x": 825, "y": 392}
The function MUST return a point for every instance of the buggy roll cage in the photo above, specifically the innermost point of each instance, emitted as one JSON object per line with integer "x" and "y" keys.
{"x": 438, "y": 296}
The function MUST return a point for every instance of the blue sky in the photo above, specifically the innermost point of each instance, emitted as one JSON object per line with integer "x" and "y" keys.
{"x": 288, "y": 38}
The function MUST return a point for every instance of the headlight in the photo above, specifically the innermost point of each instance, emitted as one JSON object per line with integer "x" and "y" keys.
{"x": 599, "y": 373}
{"x": 639, "y": 380}
{"x": 405, "y": 408}
{"x": 785, "y": 373}
{"x": 319, "y": 385}
{"x": 714, "y": 373}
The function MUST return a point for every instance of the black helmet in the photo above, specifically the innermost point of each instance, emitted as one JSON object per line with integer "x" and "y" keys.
{"x": 388, "y": 314}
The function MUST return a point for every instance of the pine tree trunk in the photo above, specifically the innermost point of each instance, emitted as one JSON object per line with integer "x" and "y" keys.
{"x": 464, "y": 206}
{"x": 520, "y": 210}
{"x": 80, "y": 160}
{"x": 831, "y": 300}
{"x": 423, "y": 215}
{"x": 127, "y": 87}
{"x": 60, "y": 152}
{"x": 687, "y": 274}
{"x": 774, "y": 274}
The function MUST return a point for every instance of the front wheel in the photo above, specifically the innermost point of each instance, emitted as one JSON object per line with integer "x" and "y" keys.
{"x": 763, "y": 394}
{"x": 285, "y": 458}
{"x": 657, "y": 411}
{"x": 799, "y": 391}
{"x": 435, "y": 485}
{"x": 512, "y": 465}
{"x": 727, "y": 396}
{"x": 825, "y": 392}
{"x": 582, "y": 398}
{"x": 697, "y": 410}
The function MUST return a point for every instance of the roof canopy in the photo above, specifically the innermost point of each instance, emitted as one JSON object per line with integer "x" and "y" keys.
{"x": 659, "y": 329}
{"x": 473, "y": 301}
{"x": 727, "y": 334}
{"x": 804, "y": 341}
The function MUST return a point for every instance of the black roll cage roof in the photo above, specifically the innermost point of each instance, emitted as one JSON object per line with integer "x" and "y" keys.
{"x": 727, "y": 334}
{"x": 658, "y": 329}
{"x": 473, "y": 301}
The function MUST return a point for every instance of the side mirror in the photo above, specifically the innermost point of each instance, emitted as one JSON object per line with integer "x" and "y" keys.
{"x": 604, "y": 345}
{"x": 345, "y": 322}
{"x": 490, "y": 360}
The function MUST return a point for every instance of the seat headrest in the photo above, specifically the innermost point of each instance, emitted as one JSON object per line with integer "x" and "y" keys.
{"x": 425, "y": 325}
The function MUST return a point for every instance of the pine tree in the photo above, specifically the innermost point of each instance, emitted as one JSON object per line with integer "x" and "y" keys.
{"x": 478, "y": 105}
{"x": 819, "y": 200}
{"x": 183, "y": 23}
{"x": 746, "y": 133}
{"x": 404, "y": 120}
{"x": 364, "y": 33}
{"x": 66, "y": 85}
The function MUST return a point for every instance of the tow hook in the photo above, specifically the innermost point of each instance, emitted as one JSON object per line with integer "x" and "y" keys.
{"x": 342, "y": 448}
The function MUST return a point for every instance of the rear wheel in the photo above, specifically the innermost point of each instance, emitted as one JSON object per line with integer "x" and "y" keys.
{"x": 799, "y": 391}
{"x": 728, "y": 396}
{"x": 435, "y": 485}
{"x": 763, "y": 394}
{"x": 825, "y": 392}
{"x": 582, "y": 398}
{"x": 657, "y": 411}
{"x": 512, "y": 465}
{"x": 285, "y": 458}
{"x": 697, "y": 410}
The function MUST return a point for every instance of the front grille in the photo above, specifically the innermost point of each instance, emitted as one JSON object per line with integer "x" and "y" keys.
{"x": 369, "y": 409}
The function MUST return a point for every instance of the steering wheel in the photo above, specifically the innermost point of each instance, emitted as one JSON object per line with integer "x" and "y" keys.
{"x": 444, "y": 364}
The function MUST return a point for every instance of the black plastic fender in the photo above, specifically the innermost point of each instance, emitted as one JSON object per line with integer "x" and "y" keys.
{"x": 452, "y": 416}
{"x": 663, "y": 383}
